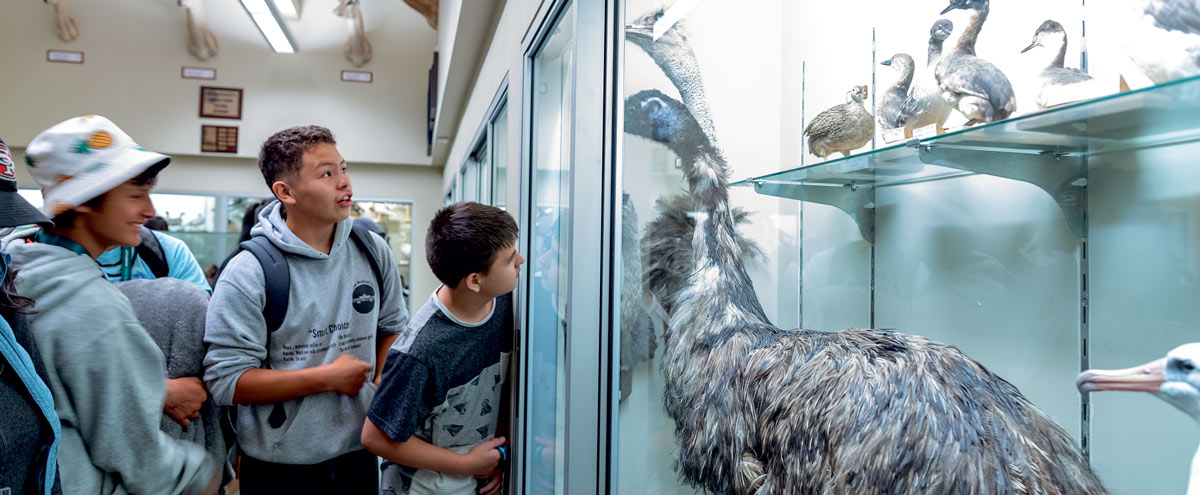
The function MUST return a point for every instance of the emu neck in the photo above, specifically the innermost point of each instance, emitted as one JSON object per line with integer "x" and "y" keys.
{"x": 935, "y": 51}
{"x": 966, "y": 42}
{"x": 678, "y": 62}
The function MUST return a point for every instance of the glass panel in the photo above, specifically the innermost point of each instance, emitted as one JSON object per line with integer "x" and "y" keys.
{"x": 395, "y": 219}
{"x": 552, "y": 89}
{"x": 500, "y": 157}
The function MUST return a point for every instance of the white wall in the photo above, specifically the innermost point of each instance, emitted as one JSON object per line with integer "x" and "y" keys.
{"x": 134, "y": 51}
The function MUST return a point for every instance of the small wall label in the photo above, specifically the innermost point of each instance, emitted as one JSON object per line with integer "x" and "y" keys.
{"x": 358, "y": 76}
{"x": 208, "y": 73}
{"x": 64, "y": 56}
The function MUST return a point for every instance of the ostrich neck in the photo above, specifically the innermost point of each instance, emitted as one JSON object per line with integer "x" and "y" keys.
{"x": 966, "y": 43}
{"x": 935, "y": 51}
{"x": 680, "y": 66}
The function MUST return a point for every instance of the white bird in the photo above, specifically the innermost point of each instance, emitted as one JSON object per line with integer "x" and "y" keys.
{"x": 1048, "y": 52}
{"x": 891, "y": 103}
{"x": 1164, "y": 38}
{"x": 925, "y": 104}
{"x": 1175, "y": 379}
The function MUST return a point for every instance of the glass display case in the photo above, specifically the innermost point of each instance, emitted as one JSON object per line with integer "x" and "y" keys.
{"x": 1049, "y": 242}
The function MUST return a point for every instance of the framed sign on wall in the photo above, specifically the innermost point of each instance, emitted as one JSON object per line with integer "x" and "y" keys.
{"x": 218, "y": 139}
{"x": 220, "y": 103}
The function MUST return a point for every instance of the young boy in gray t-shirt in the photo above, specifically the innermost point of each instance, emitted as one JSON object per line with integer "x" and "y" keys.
{"x": 434, "y": 418}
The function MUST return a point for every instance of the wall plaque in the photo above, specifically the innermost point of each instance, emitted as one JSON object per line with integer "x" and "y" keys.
{"x": 218, "y": 139}
{"x": 221, "y": 103}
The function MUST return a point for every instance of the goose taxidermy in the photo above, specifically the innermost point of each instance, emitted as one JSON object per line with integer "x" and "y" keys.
{"x": 891, "y": 103}
{"x": 972, "y": 85}
{"x": 762, "y": 410}
{"x": 925, "y": 104}
{"x": 357, "y": 49}
{"x": 1048, "y": 52}
{"x": 201, "y": 42}
{"x": 842, "y": 128}
{"x": 1164, "y": 37}
{"x": 64, "y": 24}
{"x": 1174, "y": 379}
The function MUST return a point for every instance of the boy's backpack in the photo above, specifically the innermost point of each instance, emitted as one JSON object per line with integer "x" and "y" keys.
{"x": 151, "y": 252}
{"x": 279, "y": 280}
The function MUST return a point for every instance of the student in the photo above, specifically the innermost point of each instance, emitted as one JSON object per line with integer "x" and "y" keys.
{"x": 30, "y": 431}
{"x": 170, "y": 257}
{"x": 106, "y": 373}
{"x": 303, "y": 389}
{"x": 434, "y": 419}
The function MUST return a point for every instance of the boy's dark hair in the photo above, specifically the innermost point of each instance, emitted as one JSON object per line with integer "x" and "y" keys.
{"x": 465, "y": 238}
{"x": 157, "y": 223}
{"x": 148, "y": 177}
{"x": 280, "y": 157}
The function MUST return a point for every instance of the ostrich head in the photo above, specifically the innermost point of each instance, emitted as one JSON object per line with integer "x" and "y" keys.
{"x": 941, "y": 29}
{"x": 1174, "y": 378}
{"x": 977, "y": 5}
{"x": 858, "y": 94}
{"x": 1050, "y": 35}
{"x": 658, "y": 117}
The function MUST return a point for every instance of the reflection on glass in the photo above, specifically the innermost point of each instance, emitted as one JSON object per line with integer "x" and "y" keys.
{"x": 500, "y": 157}
{"x": 395, "y": 220}
{"x": 552, "y": 93}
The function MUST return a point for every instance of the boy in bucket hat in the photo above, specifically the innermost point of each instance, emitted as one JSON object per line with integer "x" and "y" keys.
{"x": 106, "y": 373}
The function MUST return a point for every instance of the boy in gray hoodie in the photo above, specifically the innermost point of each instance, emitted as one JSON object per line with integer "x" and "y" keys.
{"x": 105, "y": 372}
{"x": 302, "y": 390}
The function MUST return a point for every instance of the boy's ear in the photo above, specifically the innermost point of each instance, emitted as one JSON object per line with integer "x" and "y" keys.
{"x": 472, "y": 282}
{"x": 283, "y": 191}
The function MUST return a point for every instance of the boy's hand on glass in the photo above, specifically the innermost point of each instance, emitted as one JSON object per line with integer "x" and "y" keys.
{"x": 482, "y": 460}
{"x": 495, "y": 481}
{"x": 346, "y": 374}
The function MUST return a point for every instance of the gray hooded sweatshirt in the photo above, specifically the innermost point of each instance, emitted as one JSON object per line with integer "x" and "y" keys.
{"x": 334, "y": 308}
{"x": 107, "y": 378}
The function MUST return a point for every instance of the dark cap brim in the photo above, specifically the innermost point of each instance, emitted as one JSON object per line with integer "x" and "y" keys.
{"x": 15, "y": 211}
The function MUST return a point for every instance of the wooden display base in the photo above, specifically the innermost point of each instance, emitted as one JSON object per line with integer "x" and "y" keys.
{"x": 1086, "y": 90}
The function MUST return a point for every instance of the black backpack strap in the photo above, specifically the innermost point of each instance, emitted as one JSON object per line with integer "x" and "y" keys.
{"x": 151, "y": 252}
{"x": 366, "y": 242}
{"x": 278, "y": 280}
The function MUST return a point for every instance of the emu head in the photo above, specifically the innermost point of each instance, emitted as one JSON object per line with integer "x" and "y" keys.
{"x": 658, "y": 117}
{"x": 941, "y": 29}
{"x": 1174, "y": 378}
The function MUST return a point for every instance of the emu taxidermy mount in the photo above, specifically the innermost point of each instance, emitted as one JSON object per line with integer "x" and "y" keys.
{"x": 358, "y": 47}
{"x": 974, "y": 86}
{"x": 64, "y": 24}
{"x": 841, "y": 128}
{"x": 1174, "y": 378}
{"x": 761, "y": 410}
{"x": 201, "y": 42}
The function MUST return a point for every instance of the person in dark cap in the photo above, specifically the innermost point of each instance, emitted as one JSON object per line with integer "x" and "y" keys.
{"x": 106, "y": 373}
{"x": 30, "y": 432}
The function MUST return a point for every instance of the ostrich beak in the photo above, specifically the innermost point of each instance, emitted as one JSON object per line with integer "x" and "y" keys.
{"x": 1145, "y": 378}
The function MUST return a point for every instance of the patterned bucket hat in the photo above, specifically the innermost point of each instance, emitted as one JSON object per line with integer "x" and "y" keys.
{"x": 82, "y": 158}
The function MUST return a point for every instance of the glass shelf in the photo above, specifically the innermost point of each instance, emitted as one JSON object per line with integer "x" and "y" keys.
{"x": 1048, "y": 149}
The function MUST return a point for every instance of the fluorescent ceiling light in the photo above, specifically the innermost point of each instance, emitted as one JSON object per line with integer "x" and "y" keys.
{"x": 270, "y": 25}
{"x": 288, "y": 9}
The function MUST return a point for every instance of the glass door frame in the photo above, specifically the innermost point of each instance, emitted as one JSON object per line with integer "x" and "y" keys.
{"x": 590, "y": 338}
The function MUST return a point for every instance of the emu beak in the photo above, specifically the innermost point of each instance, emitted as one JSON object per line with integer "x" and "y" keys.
{"x": 1031, "y": 45}
{"x": 886, "y": 62}
{"x": 1145, "y": 378}
{"x": 947, "y": 9}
